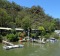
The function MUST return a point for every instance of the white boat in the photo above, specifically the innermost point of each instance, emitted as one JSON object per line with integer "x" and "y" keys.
{"x": 51, "y": 40}
{"x": 14, "y": 46}
{"x": 7, "y": 47}
{"x": 18, "y": 46}
{"x": 10, "y": 45}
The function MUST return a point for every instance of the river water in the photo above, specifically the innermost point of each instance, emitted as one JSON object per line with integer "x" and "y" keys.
{"x": 33, "y": 49}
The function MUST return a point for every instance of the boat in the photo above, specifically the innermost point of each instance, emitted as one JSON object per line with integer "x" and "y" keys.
{"x": 18, "y": 46}
{"x": 14, "y": 46}
{"x": 7, "y": 47}
{"x": 52, "y": 40}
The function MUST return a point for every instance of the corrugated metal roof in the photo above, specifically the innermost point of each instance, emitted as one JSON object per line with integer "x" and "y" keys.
{"x": 3, "y": 28}
{"x": 18, "y": 29}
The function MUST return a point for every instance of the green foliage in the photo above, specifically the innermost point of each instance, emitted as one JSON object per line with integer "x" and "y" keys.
{"x": 47, "y": 36}
{"x": 33, "y": 34}
{"x": 12, "y": 37}
{"x": 26, "y": 22}
{"x": 13, "y": 15}
{"x": 55, "y": 35}
{"x": 41, "y": 28}
{"x": 50, "y": 26}
{"x": 4, "y": 17}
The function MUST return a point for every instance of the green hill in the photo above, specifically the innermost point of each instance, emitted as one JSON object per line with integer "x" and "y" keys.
{"x": 13, "y": 15}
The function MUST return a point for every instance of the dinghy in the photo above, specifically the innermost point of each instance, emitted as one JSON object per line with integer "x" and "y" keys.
{"x": 9, "y": 45}
{"x": 14, "y": 46}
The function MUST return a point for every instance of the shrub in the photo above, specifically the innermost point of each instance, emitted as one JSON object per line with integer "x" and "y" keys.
{"x": 56, "y": 36}
{"x": 47, "y": 36}
{"x": 33, "y": 35}
{"x": 12, "y": 37}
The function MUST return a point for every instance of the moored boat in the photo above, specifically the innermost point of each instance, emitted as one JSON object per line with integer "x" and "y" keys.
{"x": 14, "y": 46}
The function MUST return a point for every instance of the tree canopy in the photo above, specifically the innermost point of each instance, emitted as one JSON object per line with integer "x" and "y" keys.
{"x": 13, "y": 15}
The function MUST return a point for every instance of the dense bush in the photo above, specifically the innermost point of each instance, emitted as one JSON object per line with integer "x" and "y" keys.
{"x": 47, "y": 36}
{"x": 55, "y": 35}
{"x": 12, "y": 37}
{"x": 33, "y": 34}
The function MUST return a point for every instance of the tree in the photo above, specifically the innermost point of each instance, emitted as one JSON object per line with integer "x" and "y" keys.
{"x": 47, "y": 36}
{"x": 26, "y": 22}
{"x": 42, "y": 30}
{"x": 4, "y": 17}
{"x": 50, "y": 26}
{"x": 55, "y": 35}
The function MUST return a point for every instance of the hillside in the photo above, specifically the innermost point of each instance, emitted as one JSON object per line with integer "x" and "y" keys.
{"x": 13, "y": 15}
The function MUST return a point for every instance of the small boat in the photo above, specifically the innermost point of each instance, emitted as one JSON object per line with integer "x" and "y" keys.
{"x": 52, "y": 40}
{"x": 14, "y": 46}
{"x": 18, "y": 46}
{"x": 7, "y": 47}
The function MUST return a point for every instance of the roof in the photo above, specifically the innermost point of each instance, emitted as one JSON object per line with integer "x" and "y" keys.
{"x": 19, "y": 29}
{"x": 4, "y": 28}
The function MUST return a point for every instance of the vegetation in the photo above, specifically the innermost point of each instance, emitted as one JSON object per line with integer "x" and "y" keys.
{"x": 12, "y": 37}
{"x": 55, "y": 35}
{"x": 13, "y": 15}
{"x": 47, "y": 36}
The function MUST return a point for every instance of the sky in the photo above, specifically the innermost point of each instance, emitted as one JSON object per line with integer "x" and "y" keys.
{"x": 51, "y": 7}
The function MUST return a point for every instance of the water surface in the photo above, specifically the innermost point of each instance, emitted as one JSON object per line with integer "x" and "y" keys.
{"x": 33, "y": 49}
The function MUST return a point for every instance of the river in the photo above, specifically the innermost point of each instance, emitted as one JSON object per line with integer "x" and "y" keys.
{"x": 33, "y": 49}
